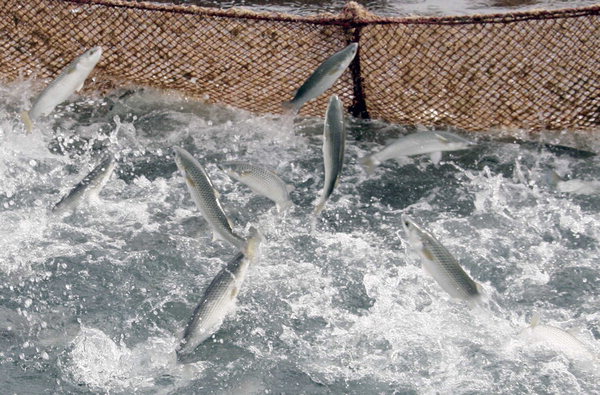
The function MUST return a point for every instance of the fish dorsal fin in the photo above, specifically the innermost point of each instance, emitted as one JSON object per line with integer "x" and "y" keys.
{"x": 535, "y": 320}
{"x": 79, "y": 87}
{"x": 441, "y": 138}
{"x": 436, "y": 157}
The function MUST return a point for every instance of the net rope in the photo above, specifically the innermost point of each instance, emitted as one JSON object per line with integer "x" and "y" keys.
{"x": 525, "y": 70}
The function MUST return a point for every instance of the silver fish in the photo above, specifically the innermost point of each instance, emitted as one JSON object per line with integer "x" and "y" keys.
{"x": 557, "y": 339}
{"x": 219, "y": 298}
{"x": 573, "y": 186}
{"x": 70, "y": 80}
{"x": 322, "y": 78}
{"x": 334, "y": 145}
{"x": 206, "y": 197}
{"x": 440, "y": 264}
{"x": 262, "y": 181}
{"x": 89, "y": 187}
{"x": 432, "y": 143}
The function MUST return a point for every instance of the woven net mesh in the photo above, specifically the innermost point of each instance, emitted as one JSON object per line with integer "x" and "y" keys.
{"x": 531, "y": 70}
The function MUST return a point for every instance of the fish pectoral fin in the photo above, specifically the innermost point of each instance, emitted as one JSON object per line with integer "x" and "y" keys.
{"x": 230, "y": 223}
{"x": 234, "y": 292}
{"x": 289, "y": 188}
{"x": 72, "y": 69}
{"x": 190, "y": 180}
{"x": 27, "y": 121}
{"x": 427, "y": 254}
{"x": 436, "y": 157}
{"x": 216, "y": 236}
{"x": 79, "y": 87}
{"x": 480, "y": 289}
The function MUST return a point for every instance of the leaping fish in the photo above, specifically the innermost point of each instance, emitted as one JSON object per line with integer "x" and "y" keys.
{"x": 334, "y": 144}
{"x": 557, "y": 339}
{"x": 219, "y": 298}
{"x": 573, "y": 186}
{"x": 432, "y": 143}
{"x": 206, "y": 197}
{"x": 262, "y": 181}
{"x": 440, "y": 264}
{"x": 89, "y": 187}
{"x": 322, "y": 78}
{"x": 70, "y": 80}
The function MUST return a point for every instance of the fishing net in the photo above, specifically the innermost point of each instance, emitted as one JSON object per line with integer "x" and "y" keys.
{"x": 532, "y": 70}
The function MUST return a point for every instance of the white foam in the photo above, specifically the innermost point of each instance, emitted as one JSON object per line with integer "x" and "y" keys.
{"x": 101, "y": 363}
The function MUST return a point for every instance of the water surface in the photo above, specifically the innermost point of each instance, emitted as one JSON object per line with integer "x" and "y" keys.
{"x": 96, "y": 301}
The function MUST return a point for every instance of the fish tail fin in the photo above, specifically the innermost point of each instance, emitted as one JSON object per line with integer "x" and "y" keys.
{"x": 27, "y": 121}
{"x": 319, "y": 207}
{"x": 283, "y": 206}
{"x": 535, "y": 320}
{"x": 369, "y": 163}
{"x": 553, "y": 178}
{"x": 253, "y": 242}
{"x": 290, "y": 109}
{"x": 481, "y": 298}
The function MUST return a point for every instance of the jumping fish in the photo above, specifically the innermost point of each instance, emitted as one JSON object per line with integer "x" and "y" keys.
{"x": 89, "y": 187}
{"x": 334, "y": 143}
{"x": 440, "y": 264}
{"x": 70, "y": 80}
{"x": 573, "y": 186}
{"x": 322, "y": 78}
{"x": 206, "y": 197}
{"x": 432, "y": 143}
{"x": 262, "y": 181}
{"x": 557, "y": 339}
{"x": 219, "y": 298}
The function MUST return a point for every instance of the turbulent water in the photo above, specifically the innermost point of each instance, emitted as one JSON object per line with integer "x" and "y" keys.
{"x": 97, "y": 300}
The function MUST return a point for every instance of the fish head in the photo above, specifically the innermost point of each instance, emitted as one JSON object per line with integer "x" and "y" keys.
{"x": 343, "y": 58}
{"x": 182, "y": 159}
{"x": 351, "y": 50}
{"x": 412, "y": 230}
{"x": 454, "y": 142}
{"x": 91, "y": 56}
{"x": 335, "y": 103}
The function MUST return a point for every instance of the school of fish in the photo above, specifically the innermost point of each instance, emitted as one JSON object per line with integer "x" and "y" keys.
{"x": 220, "y": 295}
